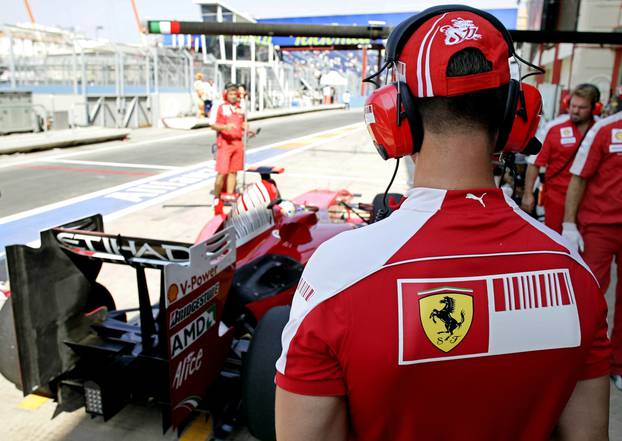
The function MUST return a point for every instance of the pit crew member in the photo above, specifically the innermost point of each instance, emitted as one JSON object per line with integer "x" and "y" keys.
{"x": 560, "y": 141}
{"x": 459, "y": 316}
{"x": 230, "y": 124}
{"x": 593, "y": 217}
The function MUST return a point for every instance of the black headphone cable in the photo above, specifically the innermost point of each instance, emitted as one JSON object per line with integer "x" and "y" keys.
{"x": 384, "y": 212}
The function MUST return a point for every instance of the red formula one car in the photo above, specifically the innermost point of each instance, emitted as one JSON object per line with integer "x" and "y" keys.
{"x": 211, "y": 340}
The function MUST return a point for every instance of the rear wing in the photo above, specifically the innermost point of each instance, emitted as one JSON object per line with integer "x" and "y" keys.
{"x": 86, "y": 238}
{"x": 53, "y": 288}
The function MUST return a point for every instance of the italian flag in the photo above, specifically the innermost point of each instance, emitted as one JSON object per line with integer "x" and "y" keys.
{"x": 164, "y": 27}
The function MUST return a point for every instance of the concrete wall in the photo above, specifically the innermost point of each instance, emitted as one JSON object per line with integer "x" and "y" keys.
{"x": 591, "y": 63}
{"x": 593, "y": 66}
{"x": 170, "y": 105}
{"x": 72, "y": 104}
{"x": 599, "y": 15}
{"x": 164, "y": 105}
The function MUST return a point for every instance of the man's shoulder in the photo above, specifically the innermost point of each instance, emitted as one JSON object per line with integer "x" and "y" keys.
{"x": 546, "y": 129}
{"x": 611, "y": 122}
{"x": 353, "y": 255}
{"x": 561, "y": 120}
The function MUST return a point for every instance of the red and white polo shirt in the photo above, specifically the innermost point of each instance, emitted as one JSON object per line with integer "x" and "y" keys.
{"x": 600, "y": 161}
{"x": 560, "y": 141}
{"x": 458, "y": 317}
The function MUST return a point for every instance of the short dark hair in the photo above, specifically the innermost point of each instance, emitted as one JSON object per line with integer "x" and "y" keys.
{"x": 481, "y": 110}
{"x": 588, "y": 91}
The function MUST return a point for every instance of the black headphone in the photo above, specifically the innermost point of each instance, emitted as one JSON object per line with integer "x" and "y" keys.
{"x": 398, "y": 38}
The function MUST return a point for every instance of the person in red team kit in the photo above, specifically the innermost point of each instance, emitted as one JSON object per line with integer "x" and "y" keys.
{"x": 459, "y": 317}
{"x": 594, "y": 202}
{"x": 230, "y": 124}
{"x": 560, "y": 142}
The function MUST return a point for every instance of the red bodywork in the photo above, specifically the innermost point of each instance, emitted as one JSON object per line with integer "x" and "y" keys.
{"x": 296, "y": 236}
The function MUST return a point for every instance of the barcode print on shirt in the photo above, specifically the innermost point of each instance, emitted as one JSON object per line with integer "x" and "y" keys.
{"x": 251, "y": 223}
{"x": 305, "y": 290}
{"x": 542, "y": 289}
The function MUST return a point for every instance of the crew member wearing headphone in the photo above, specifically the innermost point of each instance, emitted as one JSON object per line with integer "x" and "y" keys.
{"x": 594, "y": 202}
{"x": 459, "y": 316}
{"x": 560, "y": 141}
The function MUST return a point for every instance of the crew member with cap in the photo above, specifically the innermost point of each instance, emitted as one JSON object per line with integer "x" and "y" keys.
{"x": 560, "y": 141}
{"x": 594, "y": 203}
{"x": 230, "y": 124}
{"x": 459, "y": 316}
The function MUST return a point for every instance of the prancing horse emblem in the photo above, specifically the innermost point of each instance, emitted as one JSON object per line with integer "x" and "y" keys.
{"x": 444, "y": 326}
{"x": 444, "y": 315}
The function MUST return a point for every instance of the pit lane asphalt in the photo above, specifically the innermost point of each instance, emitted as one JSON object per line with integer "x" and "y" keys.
{"x": 349, "y": 162}
{"x": 33, "y": 180}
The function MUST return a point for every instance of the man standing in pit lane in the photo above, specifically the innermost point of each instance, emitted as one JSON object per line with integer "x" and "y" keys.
{"x": 459, "y": 317}
{"x": 560, "y": 142}
{"x": 593, "y": 215}
{"x": 230, "y": 124}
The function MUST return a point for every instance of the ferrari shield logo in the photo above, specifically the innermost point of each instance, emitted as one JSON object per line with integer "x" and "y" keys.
{"x": 446, "y": 315}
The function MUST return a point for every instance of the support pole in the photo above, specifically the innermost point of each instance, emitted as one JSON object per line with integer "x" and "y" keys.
{"x": 253, "y": 91}
{"x": 364, "y": 70}
{"x": 29, "y": 11}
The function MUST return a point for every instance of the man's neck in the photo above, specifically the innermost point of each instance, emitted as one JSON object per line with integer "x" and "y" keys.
{"x": 584, "y": 125}
{"x": 456, "y": 162}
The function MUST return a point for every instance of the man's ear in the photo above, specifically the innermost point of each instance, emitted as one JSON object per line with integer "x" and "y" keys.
{"x": 414, "y": 157}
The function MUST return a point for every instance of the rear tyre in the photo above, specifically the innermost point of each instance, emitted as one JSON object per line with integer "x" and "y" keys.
{"x": 9, "y": 361}
{"x": 258, "y": 374}
{"x": 98, "y": 297}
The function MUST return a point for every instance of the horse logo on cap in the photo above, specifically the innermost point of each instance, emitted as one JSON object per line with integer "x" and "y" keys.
{"x": 460, "y": 30}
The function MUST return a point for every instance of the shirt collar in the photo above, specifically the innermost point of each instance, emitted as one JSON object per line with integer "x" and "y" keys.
{"x": 434, "y": 199}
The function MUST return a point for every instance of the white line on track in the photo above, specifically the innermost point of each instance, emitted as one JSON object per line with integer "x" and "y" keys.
{"x": 34, "y": 211}
{"x": 123, "y": 144}
{"x": 181, "y": 191}
{"x": 111, "y": 164}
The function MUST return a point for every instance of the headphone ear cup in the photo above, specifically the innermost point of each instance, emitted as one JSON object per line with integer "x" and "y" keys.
{"x": 527, "y": 114}
{"x": 388, "y": 122}
{"x": 598, "y": 108}
{"x": 509, "y": 114}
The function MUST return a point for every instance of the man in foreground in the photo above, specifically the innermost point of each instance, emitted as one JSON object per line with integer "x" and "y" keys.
{"x": 458, "y": 317}
{"x": 594, "y": 202}
{"x": 560, "y": 142}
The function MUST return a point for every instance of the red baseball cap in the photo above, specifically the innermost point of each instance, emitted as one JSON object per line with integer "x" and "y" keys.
{"x": 423, "y": 59}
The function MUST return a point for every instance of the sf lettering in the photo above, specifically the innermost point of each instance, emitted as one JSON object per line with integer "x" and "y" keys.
{"x": 451, "y": 340}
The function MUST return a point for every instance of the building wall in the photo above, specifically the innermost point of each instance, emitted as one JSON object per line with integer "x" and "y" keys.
{"x": 585, "y": 63}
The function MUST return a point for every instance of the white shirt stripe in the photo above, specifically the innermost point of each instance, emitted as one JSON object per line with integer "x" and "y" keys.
{"x": 584, "y": 150}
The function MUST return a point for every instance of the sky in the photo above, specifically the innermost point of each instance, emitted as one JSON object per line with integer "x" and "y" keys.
{"x": 115, "y": 18}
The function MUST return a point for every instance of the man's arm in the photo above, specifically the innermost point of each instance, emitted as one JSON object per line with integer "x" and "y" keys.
{"x": 220, "y": 127}
{"x": 528, "y": 200}
{"x": 310, "y": 418}
{"x": 574, "y": 194}
{"x": 586, "y": 415}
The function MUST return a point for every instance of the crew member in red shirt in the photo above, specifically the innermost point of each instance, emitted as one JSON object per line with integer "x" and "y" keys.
{"x": 458, "y": 317}
{"x": 560, "y": 141}
{"x": 230, "y": 124}
{"x": 594, "y": 202}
